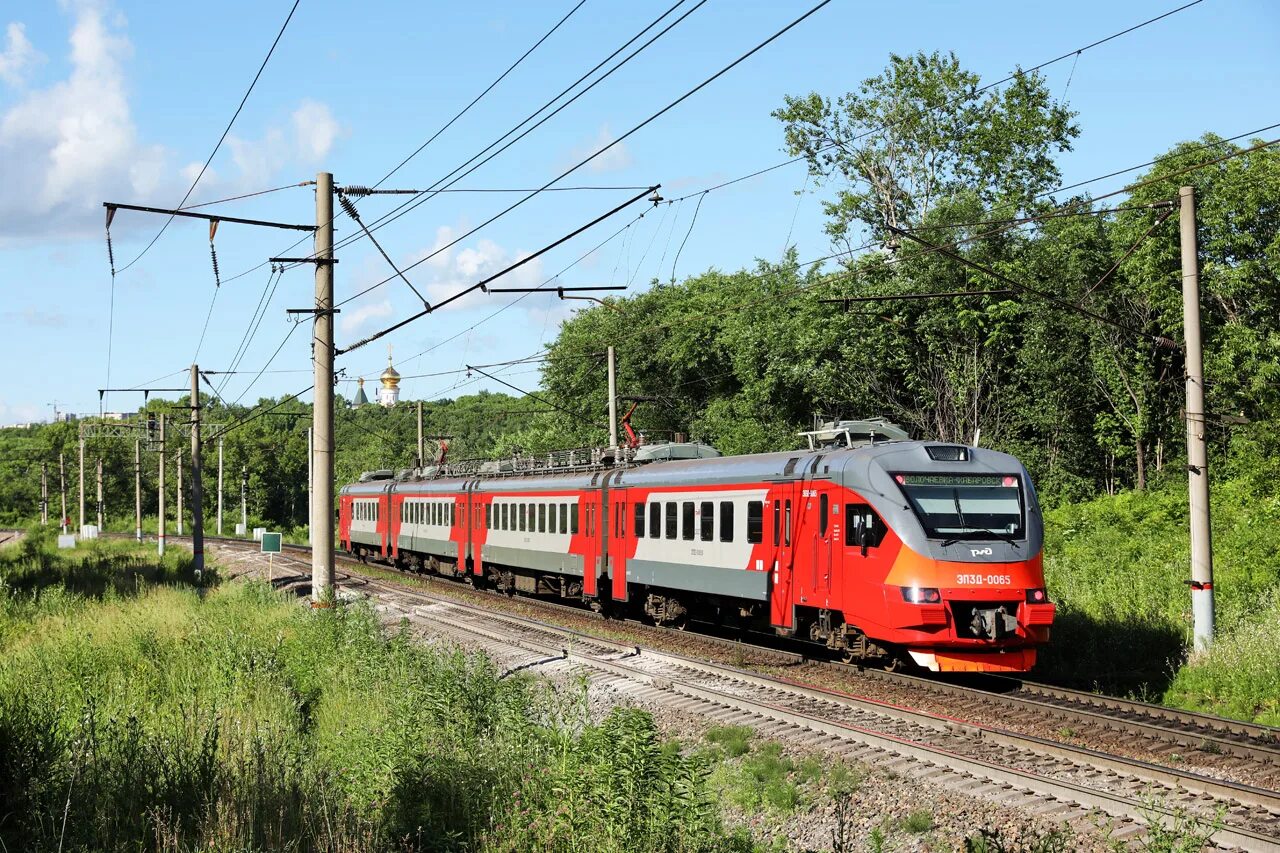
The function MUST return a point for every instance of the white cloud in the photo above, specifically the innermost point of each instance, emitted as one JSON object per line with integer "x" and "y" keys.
{"x": 315, "y": 130}
{"x": 306, "y": 142}
{"x": 615, "y": 159}
{"x": 358, "y": 317}
{"x": 443, "y": 276}
{"x": 18, "y": 57}
{"x": 66, "y": 148}
{"x": 33, "y": 317}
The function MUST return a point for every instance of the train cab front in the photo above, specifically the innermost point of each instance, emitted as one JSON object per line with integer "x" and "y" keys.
{"x": 965, "y": 591}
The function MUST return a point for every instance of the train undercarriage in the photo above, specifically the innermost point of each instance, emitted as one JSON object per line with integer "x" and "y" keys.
{"x": 815, "y": 628}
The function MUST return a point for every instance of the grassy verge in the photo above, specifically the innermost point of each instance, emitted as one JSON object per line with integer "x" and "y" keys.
{"x": 1118, "y": 565}
{"x": 140, "y": 712}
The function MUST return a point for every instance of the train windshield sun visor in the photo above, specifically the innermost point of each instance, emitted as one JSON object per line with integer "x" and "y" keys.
{"x": 959, "y": 507}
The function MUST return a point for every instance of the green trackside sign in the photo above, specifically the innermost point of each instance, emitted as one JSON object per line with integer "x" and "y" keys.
{"x": 271, "y": 543}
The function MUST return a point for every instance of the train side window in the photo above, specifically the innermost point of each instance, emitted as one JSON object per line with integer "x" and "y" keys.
{"x": 707, "y": 521}
{"x": 786, "y": 524}
{"x": 542, "y": 518}
{"x": 573, "y": 518}
{"x": 564, "y": 518}
{"x": 639, "y": 521}
{"x": 777, "y": 522}
{"x": 860, "y": 518}
{"x": 686, "y": 520}
{"x": 488, "y": 516}
{"x": 622, "y": 518}
{"x": 726, "y": 521}
{"x": 824, "y": 514}
{"x": 755, "y": 522}
{"x": 671, "y": 511}
{"x": 655, "y": 520}
{"x": 520, "y": 522}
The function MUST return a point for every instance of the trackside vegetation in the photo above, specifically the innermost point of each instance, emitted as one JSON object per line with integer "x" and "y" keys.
{"x": 141, "y": 712}
{"x": 1118, "y": 567}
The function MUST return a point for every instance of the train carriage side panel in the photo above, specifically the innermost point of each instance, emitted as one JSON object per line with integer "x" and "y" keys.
{"x": 705, "y": 524}
{"x": 427, "y": 519}
{"x": 536, "y": 524}
{"x": 366, "y": 508}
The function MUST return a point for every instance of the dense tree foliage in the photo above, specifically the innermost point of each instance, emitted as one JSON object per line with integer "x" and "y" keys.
{"x": 1069, "y": 373}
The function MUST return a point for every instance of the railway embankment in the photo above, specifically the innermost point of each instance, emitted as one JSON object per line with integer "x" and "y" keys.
{"x": 136, "y": 705}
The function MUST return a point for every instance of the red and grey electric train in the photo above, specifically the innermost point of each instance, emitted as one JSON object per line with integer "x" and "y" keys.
{"x": 890, "y": 551}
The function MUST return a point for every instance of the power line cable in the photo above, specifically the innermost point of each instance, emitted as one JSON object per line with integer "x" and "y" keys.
{"x": 258, "y": 376}
{"x": 519, "y": 299}
{"x": 247, "y": 195}
{"x": 413, "y": 204}
{"x": 433, "y": 188}
{"x": 480, "y": 285}
{"x": 477, "y": 98}
{"x": 1074, "y": 53}
{"x": 222, "y": 138}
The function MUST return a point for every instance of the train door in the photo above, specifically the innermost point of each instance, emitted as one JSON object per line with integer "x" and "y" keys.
{"x": 396, "y": 509}
{"x": 581, "y": 517}
{"x": 383, "y": 525}
{"x": 618, "y": 516}
{"x": 819, "y": 529}
{"x": 344, "y": 522}
{"x": 778, "y": 531}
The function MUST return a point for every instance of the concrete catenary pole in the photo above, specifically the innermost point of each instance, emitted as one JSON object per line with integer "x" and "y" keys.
{"x": 311, "y": 485}
{"x": 44, "y": 493}
{"x": 219, "y": 486}
{"x": 160, "y": 511}
{"x": 137, "y": 489}
{"x": 81, "y": 527}
{"x": 244, "y": 498}
{"x": 62, "y": 487}
{"x": 422, "y": 447}
{"x": 178, "y": 467}
{"x": 1197, "y": 448}
{"x": 322, "y": 409}
{"x": 101, "y": 504}
{"x": 613, "y": 401}
{"x": 197, "y": 484}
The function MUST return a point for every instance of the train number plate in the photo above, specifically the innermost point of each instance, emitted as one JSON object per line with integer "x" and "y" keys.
{"x": 983, "y": 580}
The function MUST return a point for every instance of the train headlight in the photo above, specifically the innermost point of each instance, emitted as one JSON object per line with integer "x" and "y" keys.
{"x": 1037, "y": 596}
{"x": 920, "y": 595}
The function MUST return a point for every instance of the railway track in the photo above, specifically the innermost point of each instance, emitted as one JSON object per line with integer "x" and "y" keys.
{"x": 1049, "y": 778}
{"x": 1168, "y": 733}
{"x": 950, "y": 748}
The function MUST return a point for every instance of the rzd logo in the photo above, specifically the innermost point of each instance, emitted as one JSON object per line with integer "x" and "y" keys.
{"x": 981, "y": 552}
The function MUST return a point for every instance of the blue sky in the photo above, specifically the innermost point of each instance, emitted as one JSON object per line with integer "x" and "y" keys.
{"x": 120, "y": 101}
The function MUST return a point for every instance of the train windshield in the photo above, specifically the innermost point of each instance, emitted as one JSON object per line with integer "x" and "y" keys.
{"x": 966, "y": 506}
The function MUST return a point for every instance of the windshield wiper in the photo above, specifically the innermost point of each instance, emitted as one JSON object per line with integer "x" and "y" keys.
{"x": 1005, "y": 537}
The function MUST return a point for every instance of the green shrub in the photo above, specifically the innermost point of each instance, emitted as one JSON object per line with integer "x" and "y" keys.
{"x": 230, "y": 718}
{"x": 734, "y": 740}
{"x": 1117, "y": 567}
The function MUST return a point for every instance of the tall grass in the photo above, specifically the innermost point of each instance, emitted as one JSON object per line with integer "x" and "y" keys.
{"x": 1118, "y": 568}
{"x": 158, "y": 716}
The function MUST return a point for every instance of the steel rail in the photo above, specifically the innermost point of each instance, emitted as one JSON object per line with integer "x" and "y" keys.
{"x": 623, "y": 663}
{"x": 1208, "y": 733}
